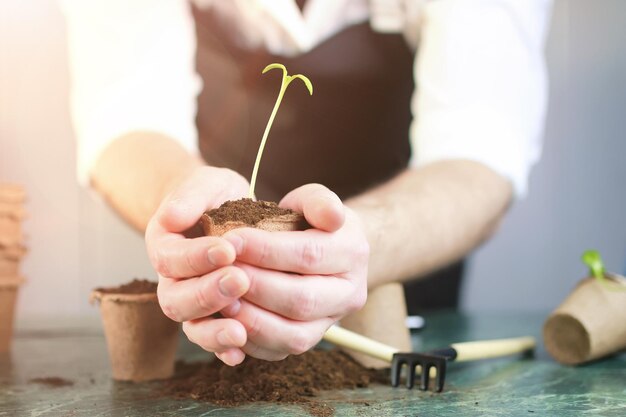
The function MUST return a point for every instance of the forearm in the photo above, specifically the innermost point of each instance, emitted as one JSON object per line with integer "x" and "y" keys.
{"x": 426, "y": 218}
{"x": 136, "y": 171}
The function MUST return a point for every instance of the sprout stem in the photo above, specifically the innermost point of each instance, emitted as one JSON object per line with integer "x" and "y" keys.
{"x": 287, "y": 79}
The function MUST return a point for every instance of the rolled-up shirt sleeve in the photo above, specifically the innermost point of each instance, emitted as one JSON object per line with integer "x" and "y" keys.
{"x": 132, "y": 69}
{"x": 481, "y": 85}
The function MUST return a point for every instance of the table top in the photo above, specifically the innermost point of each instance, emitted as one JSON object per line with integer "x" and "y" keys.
{"x": 497, "y": 387}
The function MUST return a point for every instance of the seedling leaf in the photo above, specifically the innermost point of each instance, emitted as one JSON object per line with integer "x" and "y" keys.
{"x": 593, "y": 260}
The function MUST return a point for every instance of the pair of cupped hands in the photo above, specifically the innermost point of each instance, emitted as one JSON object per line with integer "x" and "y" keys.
{"x": 276, "y": 292}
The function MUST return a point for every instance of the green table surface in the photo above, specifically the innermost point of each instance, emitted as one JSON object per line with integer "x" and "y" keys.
{"x": 499, "y": 387}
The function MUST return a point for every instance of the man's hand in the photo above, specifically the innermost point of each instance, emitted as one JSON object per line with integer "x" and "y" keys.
{"x": 196, "y": 276}
{"x": 300, "y": 282}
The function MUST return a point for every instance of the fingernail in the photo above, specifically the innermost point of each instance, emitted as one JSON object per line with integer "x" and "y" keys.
{"x": 232, "y": 286}
{"x": 224, "y": 339}
{"x": 215, "y": 256}
{"x": 235, "y": 240}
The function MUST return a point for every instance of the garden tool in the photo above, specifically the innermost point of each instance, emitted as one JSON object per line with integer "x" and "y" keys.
{"x": 430, "y": 364}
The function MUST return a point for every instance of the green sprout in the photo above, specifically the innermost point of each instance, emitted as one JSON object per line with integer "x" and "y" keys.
{"x": 593, "y": 260}
{"x": 287, "y": 79}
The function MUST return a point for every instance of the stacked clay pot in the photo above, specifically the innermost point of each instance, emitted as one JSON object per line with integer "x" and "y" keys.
{"x": 12, "y": 250}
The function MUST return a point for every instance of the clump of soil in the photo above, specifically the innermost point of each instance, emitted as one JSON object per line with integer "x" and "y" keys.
{"x": 294, "y": 380}
{"x": 247, "y": 211}
{"x": 52, "y": 381}
{"x": 136, "y": 286}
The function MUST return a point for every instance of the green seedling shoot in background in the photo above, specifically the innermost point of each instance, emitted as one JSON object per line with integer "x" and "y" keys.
{"x": 593, "y": 260}
{"x": 287, "y": 79}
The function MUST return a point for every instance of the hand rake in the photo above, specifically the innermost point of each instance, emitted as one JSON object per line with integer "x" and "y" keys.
{"x": 431, "y": 364}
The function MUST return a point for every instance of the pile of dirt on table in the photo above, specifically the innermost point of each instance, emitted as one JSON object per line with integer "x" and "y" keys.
{"x": 293, "y": 380}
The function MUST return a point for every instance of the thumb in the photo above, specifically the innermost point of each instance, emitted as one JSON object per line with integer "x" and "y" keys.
{"x": 206, "y": 188}
{"x": 321, "y": 207}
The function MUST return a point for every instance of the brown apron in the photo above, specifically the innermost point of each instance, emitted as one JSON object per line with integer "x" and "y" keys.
{"x": 351, "y": 134}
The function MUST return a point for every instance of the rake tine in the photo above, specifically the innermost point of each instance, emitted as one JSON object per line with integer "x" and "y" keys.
{"x": 441, "y": 376}
{"x": 396, "y": 367}
{"x": 425, "y": 376}
{"x": 410, "y": 375}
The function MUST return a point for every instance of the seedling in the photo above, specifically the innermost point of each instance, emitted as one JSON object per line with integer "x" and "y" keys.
{"x": 593, "y": 260}
{"x": 287, "y": 79}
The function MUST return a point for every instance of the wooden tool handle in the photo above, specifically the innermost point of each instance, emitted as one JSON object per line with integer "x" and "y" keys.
{"x": 350, "y": 340}
{"x": 468, "y": 351}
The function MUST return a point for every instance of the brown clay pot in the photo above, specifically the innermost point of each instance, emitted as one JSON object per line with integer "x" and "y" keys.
{"x": 9, "y": 287}
{"x": 141, "y": 340}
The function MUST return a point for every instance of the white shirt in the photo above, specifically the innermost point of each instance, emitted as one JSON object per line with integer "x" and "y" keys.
{"x": 479, "y": 69}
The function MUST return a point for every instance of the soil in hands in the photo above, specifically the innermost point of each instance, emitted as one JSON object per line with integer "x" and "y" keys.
{"x": 52, "y": 381}
{"x": 295, "y": 380}
{"x": 247, "y": 211}
{"x": 136, "y": 286}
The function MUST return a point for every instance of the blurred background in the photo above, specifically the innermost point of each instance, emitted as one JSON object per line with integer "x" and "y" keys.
{"x": 577, "y": 198}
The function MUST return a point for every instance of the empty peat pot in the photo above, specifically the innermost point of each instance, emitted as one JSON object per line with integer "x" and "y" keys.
{"x": 141, "y": 340}
{"x": 9, "y": 287}
{"x": 589, "y": 324}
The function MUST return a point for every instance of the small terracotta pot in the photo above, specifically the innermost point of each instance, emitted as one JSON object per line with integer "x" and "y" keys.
{"x": 10, "y": 232}
{"x": 141, "y": 340}
{"x": 9, "y": 287}
{"x": 12, "y": 210}
{"x": 8, "y": 267}
{"x": 10, "y": 260}
{"x": 12, "y": 193}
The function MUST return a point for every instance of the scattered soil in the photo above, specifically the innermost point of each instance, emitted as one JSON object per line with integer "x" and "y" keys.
{"x": 52, "y": 381}
{"x": 136, "y": 286}
{"x": 247, "y": 211}
{"x": 295, "y": 380}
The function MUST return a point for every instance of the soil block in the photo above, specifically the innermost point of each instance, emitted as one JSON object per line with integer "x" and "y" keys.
{"x": 246, "y": 212}
{"x": 141, "y": 340}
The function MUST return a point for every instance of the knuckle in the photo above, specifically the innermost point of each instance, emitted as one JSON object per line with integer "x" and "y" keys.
{"x": 303, "y": 306}
{"x": 253, "y": 326}
{"x": 263, "y": 252}
{"x": 160, "y": 263}
{"x": 203, "y": 300}
{"x": 190, "y": 261}
{"x": 357, "y": 301}
{"x": 311, "y": 254}
{"x": 299, "y": 343}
